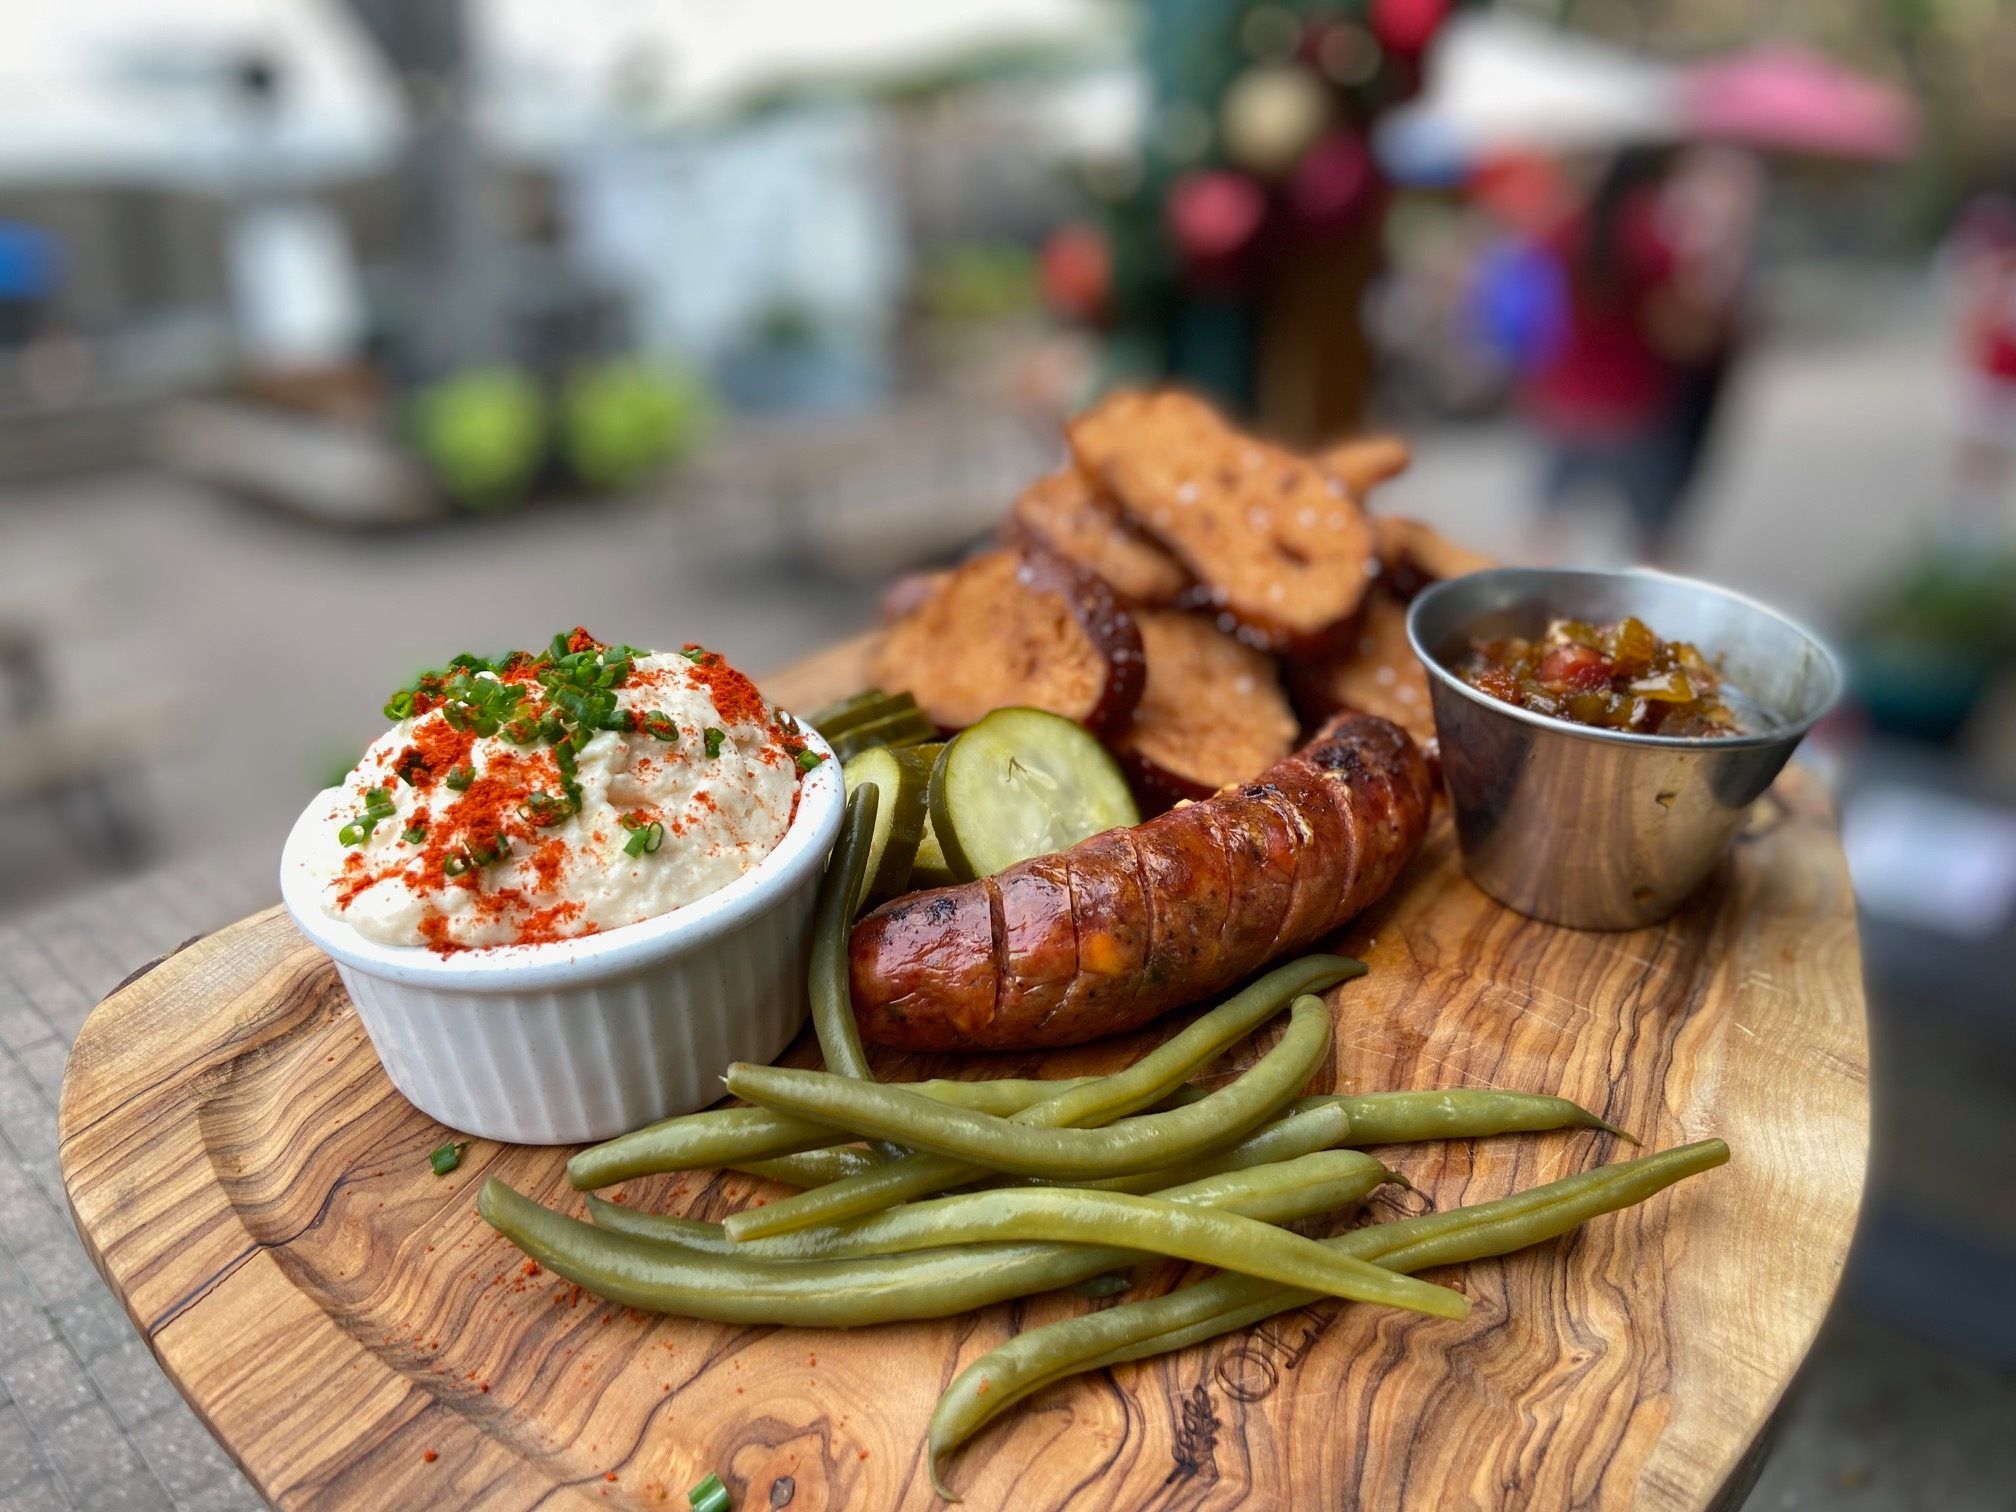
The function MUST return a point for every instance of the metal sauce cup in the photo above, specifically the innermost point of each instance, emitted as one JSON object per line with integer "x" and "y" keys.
{"x": 1599, "y": 829}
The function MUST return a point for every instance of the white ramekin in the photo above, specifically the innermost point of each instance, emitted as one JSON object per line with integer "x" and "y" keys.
{"x": 586, "y": 1039}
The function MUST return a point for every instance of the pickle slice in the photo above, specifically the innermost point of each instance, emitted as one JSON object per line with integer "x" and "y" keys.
{"x": 930, "y": 869}
{"x": 1022, "y": 783}
{"x": 903, "y": 778}
{"x": 906, "y": 727}
{"x": 856, "y": 710}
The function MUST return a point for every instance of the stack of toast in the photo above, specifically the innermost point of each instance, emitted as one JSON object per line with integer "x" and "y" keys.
{"x": 1195, "y": 596}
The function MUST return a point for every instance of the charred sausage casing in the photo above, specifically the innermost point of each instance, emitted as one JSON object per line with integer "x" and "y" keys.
{"x": 1131, "y": 923}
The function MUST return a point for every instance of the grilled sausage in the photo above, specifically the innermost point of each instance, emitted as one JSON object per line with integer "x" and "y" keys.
{"x": 1133, "y": 922}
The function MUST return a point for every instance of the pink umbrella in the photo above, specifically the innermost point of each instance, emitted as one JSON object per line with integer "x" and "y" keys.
{"x": 1781, "y": 97}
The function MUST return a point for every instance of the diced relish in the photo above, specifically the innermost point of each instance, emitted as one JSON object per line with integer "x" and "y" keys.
{"x": 1610, "y": 677}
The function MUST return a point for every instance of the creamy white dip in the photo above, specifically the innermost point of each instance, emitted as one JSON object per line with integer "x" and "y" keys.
{"x": 723, "y": 791}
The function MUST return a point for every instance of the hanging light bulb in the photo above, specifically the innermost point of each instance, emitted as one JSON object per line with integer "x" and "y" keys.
{"x": 1215, "y": 214}
{"x": 1332, "y": 182}
{"x": 1270, "y": 116}
{"x": 1407, "y": 26}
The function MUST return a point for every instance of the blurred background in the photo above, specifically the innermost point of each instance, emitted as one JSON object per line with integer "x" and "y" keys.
{"x": 337, "y": 336}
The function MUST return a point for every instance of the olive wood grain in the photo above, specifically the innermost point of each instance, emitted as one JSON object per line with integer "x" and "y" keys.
{"x": 258, "y": 1195}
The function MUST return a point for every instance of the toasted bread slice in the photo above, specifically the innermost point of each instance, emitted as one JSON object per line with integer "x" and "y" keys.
{"x": 1375, "y": 672}
{"x": 1065, "y": 515}
{"x": 1013, "y": 627}
{"x": 1364, "y": 462}
{"x": 1278, "y": 542}
{"x": 908, "y": 593}
{"x": 1413, "y": 555}
{"x": 1213, "y": 711}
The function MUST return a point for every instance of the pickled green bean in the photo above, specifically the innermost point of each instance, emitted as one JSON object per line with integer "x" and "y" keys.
{"x": 1461, "y": 1113}
{"x": 813, "y": 1168}
{"x": 660, "y": 1277}
{"x": 832, "y": 923}
{"x": 1034, "y": 1359}
{"x": 1060, "y": 1154}
{"x": 732, "y": 1136}
{"x": 1276, "y": 1193}
{"x": 743, "y": 1137}
{"x": 1380, "y": 1118}
{"x": 1312, "y": 1129}
{"x": 1151, "y": 1225}
{"x": 1158, "y": 1074}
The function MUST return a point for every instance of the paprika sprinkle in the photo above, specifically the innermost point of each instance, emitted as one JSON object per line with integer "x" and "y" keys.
{"x": 542, "y": 796}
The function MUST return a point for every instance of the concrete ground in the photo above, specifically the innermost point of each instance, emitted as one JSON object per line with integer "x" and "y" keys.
{"x": 269, "y": 646}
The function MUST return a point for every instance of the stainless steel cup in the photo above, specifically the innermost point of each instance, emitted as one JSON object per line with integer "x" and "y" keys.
{"x": 1598, "y": 829}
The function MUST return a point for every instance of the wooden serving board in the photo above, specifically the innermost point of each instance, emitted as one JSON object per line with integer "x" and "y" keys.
{"x": 254, "y": 1189}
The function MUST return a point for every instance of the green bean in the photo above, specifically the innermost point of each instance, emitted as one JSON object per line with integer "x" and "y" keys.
{"x": 1031, "y": 1360}
{"x": 1461, "y": 1113}
{"x": 832, "y": 924}
{"x": 1318, "y": 1123}
{"x": 1322, "y": 1126}
{"x": 1152, "y": 1225}
{"x": 1154, "y": 1076}
{"x": 695, "y": 1234}
{"x": 1318, "y": 1128}
{"x": 1158, "y": 1074}
{"x": 745, "y": 1137}
{"x": 813, "y": 1168}
{"x": 732, "y": 1136}
{"x": 1276, "y": 1193}
{"x": 975, "y": 1141}
{"x": 1105, "y": 1284}
{"x": 660, "y": 1277}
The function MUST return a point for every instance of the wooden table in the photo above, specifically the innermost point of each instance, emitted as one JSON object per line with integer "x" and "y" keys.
{"x": 257, "y": 1193}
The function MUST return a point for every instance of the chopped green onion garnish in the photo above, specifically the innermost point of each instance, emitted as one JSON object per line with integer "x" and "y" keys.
{"x": 460, "y": 778}
{"x": 414, "y": 834}
{"x": 447, "y": 1158}
{"x": 714, "y": 738}
{"x": 658, "y": 725}
{"x": 808, "y": 759}
{"x": 644, "y": 838}
{"x": 400, "y": 704}
{"x": 378, "y": 806}
{"x": 710, "y": 1496}
{"x": 543, "y": 809}
{"x": 455, "y": 865}
{"x": 694, "y": 654}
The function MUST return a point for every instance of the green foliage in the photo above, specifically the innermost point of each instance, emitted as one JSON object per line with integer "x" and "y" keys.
{"x": 1961, "y": 599}
{"x": 981, "y": 281}
{"x": 620, "y": 420}
{"x": 483, "y": 432}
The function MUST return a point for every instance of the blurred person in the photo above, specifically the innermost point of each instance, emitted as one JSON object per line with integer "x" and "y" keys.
{"x": 1606, "y": 395}
{"x": 1981, "y": 256}
{"x": 1710, "y": 209}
